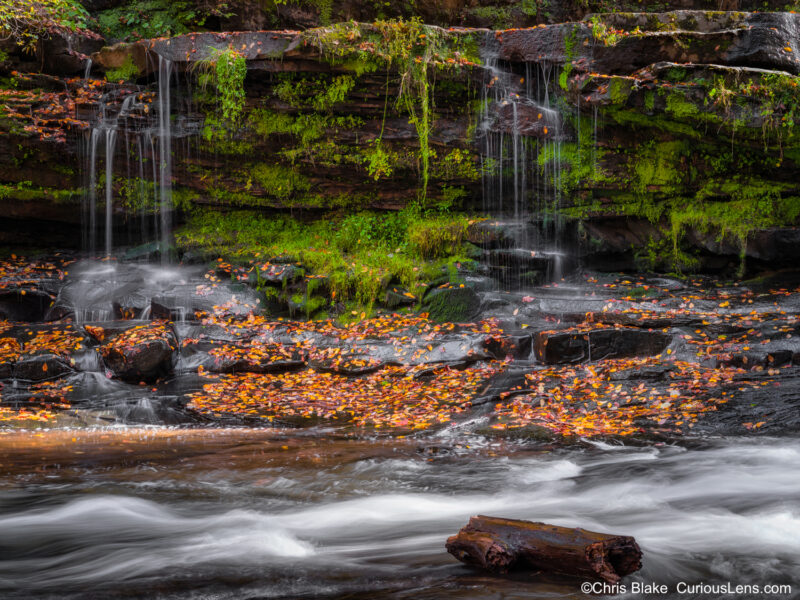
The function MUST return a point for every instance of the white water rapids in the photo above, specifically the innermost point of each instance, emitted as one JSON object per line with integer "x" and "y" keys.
{"x": 375, "y": 527}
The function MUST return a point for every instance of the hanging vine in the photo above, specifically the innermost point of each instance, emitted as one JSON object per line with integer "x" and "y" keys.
{"x": 226, "y": 71}
{"x": 411, "y": 48}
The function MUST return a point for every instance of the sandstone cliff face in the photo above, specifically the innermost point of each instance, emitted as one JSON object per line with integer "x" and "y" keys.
{"x": 669, "y": 136}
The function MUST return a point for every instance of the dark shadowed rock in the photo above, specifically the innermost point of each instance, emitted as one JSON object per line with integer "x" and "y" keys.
{"x": 41, "y": 367}
{"x": 142, "y": 353}
{"x": 453, "y": 304}
{"x": 515, "y": 345}
{"x": 130, "y": 307}
{"x": 562, "y": 347}
{"x": 24, "y": 305}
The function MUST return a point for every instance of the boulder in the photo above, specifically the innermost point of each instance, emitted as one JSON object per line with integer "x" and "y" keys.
{"x": 24, "y": 305}
{"x": 41, "y": 367}
{"x": 142, "y": 353}
{"x": 452, "y": 303}
{"x": 564, "y": 347}
{"x": 398, "y": 296}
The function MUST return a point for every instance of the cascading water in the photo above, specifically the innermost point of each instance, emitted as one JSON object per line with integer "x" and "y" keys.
{"x": 522, "y": 133}
{"x": 125, "y": 123}
{"x": 111, "y": 139}
{"x": 164, "y": 156}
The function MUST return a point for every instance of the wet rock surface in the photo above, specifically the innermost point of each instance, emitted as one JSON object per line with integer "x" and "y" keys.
{"x": 142, "y": 353}
{"x": 592, "y": 355}
{"x": 572, "y": 347}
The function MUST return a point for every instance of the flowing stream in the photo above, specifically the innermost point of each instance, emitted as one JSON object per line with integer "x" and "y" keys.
{"x": 270, "y": 514}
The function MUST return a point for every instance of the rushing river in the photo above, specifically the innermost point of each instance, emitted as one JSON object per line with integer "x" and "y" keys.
{"x": 164, "y": 513}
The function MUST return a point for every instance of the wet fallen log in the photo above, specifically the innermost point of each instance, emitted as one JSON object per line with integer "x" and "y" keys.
{"x": 502, "y": 545}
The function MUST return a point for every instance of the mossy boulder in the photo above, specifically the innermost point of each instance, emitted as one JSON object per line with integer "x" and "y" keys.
{"x": 451, "y": 303}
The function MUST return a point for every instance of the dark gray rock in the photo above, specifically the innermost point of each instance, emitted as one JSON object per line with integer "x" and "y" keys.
{"x": 452, "y": 304}
{"x": 142, "y": 361}
{"x": 41, "y": 367}
{"x": 24, "y": 305}
{"x": 563, "y": 347}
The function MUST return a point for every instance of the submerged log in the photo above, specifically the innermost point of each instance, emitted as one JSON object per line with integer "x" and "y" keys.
{"x": 502, "y": 545}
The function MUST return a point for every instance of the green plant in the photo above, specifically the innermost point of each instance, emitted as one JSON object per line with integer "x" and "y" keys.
{"x": 128, "y": 71}
{"x": 358, "y": 255}
{"x": 27, "y": 21}
{"x": 458, "y": 164}
{"x": 226, "y": 71}
{"x": 141, "y": 19}
{"x": 411, "y": 48}
{"x": 570, "y": 44}
{"x": 380, "y": 162}
{"x": 603, "y": 33}
{"x": 278, "y": 181}
{"x": 230, "y": 69}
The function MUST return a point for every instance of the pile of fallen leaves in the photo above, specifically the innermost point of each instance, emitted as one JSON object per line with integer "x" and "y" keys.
{"x": 42, "y": 403}
{"x": 392, "y": 397}
{"x": 598, "y": 399}
{"x": 19, "y": 272}
{"x": 53, "y": 341}
{"x": 9, "y": 350}
{"x": 155, "y": 331}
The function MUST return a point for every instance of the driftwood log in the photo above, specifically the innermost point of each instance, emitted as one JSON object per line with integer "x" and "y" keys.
{"x": 502, "y": 545}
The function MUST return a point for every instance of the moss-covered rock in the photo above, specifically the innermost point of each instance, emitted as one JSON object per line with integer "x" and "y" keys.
{"x": 452, "y": 303}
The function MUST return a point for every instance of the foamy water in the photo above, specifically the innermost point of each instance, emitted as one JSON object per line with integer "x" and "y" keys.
{"x": 376, "y": 527}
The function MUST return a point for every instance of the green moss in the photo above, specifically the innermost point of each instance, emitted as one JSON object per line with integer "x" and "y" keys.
{"x": 661, "y": 165}
{"x": 437, "y": 237}
{"x": 620, "y": 89}
{"x": 458, "y": 164}
{"x": 753, "y": 205}
{"x": 577, "y": 163}
{"x": 650, "y": 101}
{"x": 25, "y": 191}
{"x": 358, "y": 255}
{"x": 279, "y": 181}
{"x": 499, "y": 17}
{"x": 452, "y": 304}
{"x": 679, "y": 107}
{"x": 127, "y": 72}
{"x": 637, "y": 120}
{"x": 570, "y": 45}
{"x": 675, "y": 74}
{"x": 416, "y": 51}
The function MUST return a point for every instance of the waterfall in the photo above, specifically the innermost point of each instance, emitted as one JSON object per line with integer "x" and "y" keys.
{"x": 111, "y": 140}
{"x": 521, "y": 135}
{"x": 126, "y": 124}
{"x": 165, "y": 156}
{"x": 92, "y": 191}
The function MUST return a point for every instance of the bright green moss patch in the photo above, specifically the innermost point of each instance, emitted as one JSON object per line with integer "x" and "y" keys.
{"x": 660, "y": 166}
{"x": 278, "y": 181}
{"x": 358, "y": 255}
{"x": 127, "y": 72}
{"x": 25, "y": 191}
